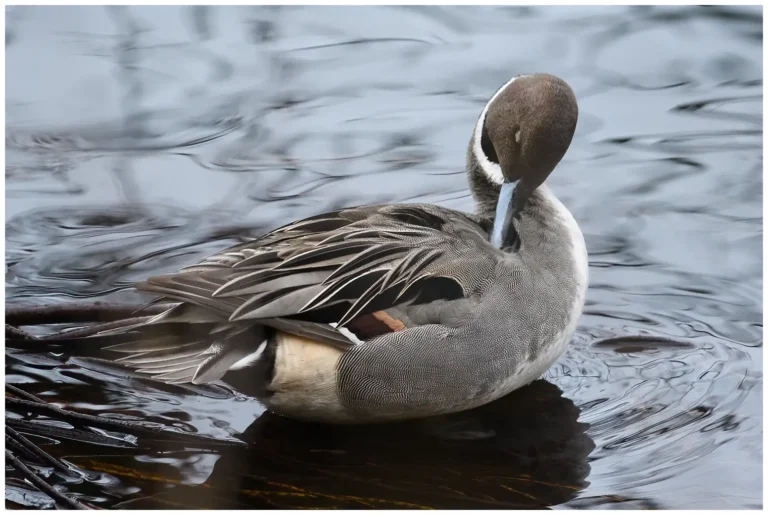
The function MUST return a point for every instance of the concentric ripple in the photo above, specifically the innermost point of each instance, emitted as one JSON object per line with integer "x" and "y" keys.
{"x": 144, "y": 139}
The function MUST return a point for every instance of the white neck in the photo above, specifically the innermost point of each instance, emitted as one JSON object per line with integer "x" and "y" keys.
{"x": 564, "y": 217}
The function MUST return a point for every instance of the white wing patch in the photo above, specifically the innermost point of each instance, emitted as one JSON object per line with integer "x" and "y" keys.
{"x": 346, "y": 332}
{"x": 250, "y": 359}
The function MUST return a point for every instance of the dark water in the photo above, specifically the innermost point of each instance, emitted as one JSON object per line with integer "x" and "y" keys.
{"x": 139, "y": 140}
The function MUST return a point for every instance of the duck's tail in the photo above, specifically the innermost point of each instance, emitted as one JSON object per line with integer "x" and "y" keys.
{"x": 177, "y": 346}
{"x": 189, "y": 353}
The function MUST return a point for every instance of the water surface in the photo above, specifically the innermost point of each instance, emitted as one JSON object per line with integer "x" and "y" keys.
{"x": 141, "y": 139}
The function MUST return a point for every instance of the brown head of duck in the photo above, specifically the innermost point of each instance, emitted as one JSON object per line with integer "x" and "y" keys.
{"x": 521, "y": 135}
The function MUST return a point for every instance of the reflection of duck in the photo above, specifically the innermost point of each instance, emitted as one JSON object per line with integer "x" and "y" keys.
{"x": 394, "y": 312}
{"x": 526, "y": 450}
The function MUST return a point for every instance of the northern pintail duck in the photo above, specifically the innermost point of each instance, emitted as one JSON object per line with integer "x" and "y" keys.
{"x": 399, "y": 311}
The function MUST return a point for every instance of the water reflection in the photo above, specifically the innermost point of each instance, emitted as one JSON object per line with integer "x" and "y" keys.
{"x": 146, "y": 138}
{"x": 527, "y": 450}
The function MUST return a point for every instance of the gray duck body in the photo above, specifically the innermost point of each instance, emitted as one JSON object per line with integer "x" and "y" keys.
{"x": 390, "y": 312}
{"x": 517, "y": 321}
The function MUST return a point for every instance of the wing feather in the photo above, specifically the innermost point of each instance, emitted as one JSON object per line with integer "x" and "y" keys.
{"x": 334, "y": 267}
{"x": 363, "y": 270}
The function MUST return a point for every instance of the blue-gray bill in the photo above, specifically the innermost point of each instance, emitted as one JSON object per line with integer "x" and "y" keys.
{"x": 503, "y": 233}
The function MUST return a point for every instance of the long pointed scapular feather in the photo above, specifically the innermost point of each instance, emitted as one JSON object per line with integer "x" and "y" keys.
{"x": 286, "y": 281}
{"x": 422, "y": 264}
{"x": 361, "y": 302}
{"x": 283, "y": 305}
{"x": 329, "y": 251}
{"x": 396, "y": 273}
{"x": 261, "y": 299}
{"x": 246, "y": 280}
{"x": 329, "y": 293}
{"x": 379, "y": 262}
{"x": 342, "y": 236}
{"x": 364, "y": 257}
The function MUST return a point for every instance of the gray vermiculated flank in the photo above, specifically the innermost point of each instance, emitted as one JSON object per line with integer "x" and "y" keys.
{"x": 515, "y": 312}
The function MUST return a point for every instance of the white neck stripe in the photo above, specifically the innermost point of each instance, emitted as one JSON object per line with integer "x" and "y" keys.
{"x": 491, "y": 170}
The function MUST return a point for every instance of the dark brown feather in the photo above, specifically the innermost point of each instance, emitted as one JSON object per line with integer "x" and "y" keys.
{"x": 334, "y": 267}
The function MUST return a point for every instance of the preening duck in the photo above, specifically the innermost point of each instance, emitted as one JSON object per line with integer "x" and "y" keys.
{"x": 391, "y": 312}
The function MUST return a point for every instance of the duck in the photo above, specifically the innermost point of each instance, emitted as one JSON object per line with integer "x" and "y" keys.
{"x": 391, "y": 312}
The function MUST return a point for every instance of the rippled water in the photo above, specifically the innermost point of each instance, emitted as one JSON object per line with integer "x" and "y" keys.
{"x": 139, "y": 140}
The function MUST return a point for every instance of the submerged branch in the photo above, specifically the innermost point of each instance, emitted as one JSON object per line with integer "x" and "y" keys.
{"x": 33, "y": 450}
{"x": 123, "y": 426}
{"x": 18, "y": 392}
{"x": 85, "y": 428}
{"x": 68, "y": 433}
{"x": 17, "y": 334}
{"x": 41, "y": 485}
